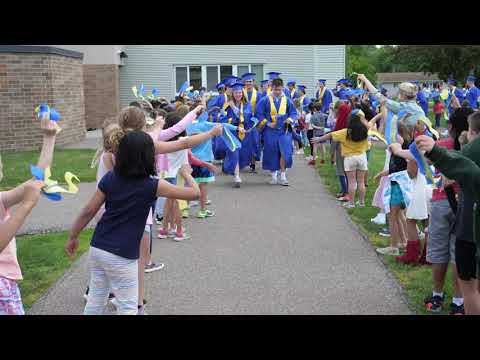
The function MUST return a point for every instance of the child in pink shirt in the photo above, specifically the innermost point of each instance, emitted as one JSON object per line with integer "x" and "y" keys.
{"x": 26, "y": 195}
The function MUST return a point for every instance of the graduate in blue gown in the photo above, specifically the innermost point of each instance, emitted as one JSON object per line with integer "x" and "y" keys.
{"x": 422, "y": 98}
{"x": 324, "y": 95}
{"x": 239, "y": 113}
{"x": 253, "y": 97}
{"x": 291, "y": 90}
{"x": 275, "y": 122}
{"x": 263, "y": 88}
{"x": 473, "y": 93}
{"x": 453, "y": 91}
{"x": 342, "y": 88}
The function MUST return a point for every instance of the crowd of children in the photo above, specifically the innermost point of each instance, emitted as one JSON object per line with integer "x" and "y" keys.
{"x": 157, "y": 155}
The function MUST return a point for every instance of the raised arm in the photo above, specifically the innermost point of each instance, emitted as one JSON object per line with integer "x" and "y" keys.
{"x": 14, "y": 196}
{"x": 187, "y": 142}
{"x": 179, "y": 127}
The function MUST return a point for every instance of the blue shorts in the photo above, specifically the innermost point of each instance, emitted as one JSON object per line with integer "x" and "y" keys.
{"x": 396, "y": 196}
{"x": 202, "y": 174}
{"x": 172, "y": 181}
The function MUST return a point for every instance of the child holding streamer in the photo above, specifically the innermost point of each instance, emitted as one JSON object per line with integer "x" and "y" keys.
{"x": 25, "y": 196}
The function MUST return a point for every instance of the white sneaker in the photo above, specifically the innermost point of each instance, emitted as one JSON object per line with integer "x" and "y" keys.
{"x": 389, "y": 250}
{"x": 380, "y": 219}
{"x": 273, "y": 182}
{"x": 193, "y": 203}
{"x": 299, "y": 152}
{"x": 284, "y": 182}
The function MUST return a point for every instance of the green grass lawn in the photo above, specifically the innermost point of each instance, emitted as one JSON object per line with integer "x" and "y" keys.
{"x": 43, "y": 261}
{"x": 416, "y": 280}
{"x": 16, "y": 166}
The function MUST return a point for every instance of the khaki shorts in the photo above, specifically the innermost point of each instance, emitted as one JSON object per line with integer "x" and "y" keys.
{"x": 356, "y": 162}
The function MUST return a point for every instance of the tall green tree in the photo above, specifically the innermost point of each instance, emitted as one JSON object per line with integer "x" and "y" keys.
{"x": 359, "y": 60}
{"x": 457, "y": 61}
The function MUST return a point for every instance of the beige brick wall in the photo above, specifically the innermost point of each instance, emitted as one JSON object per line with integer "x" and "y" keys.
{"x": 26, "y": 80}
{"x": 102, "y": 99}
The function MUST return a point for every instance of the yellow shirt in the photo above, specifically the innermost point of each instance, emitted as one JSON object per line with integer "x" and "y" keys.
{"x": 349, "y": 147}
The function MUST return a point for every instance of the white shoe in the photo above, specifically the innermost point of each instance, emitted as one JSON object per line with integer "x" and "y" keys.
{"x": 284, "y": 182}
{"x": 273, "y": 182}
{"x": 299, "y": 152}
{"x": 193, "y": 203}
{"x": 380, "y": 219}
{"x": 389, "y": 250}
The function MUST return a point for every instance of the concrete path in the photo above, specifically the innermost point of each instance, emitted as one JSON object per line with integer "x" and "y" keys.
{"x": 269, "y": 250}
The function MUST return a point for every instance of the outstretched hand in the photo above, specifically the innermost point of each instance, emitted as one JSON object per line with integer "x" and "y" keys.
{"x": 425, "y": 143}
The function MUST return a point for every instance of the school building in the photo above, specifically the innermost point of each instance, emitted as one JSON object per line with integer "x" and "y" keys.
{"x": 88, "y": 83}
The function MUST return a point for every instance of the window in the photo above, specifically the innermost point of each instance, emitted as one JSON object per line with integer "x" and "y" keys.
{"x": 225, "y": 71}
{"x": 208, "y": 76}
{"x": 195, "y": 77}
{"x": 180, "y": 77}
{"x": 242, "y": 69}
{"x": 212, "y": 77}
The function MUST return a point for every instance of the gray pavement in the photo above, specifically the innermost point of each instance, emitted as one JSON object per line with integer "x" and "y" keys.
{"x": 268, "y": 250}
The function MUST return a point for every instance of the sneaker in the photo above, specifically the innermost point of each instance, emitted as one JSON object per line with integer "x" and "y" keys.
{"x": 360, "y": 204}
{"x": 434, "y": 304}
{"x": 208, "y": 202}
{"x": 141, "y": 310}
{"x": 284, "y": 182}
{"x": 344, "y": 198}
{"x": 181, "y": 236}
{"x": 380, "y": 219}
{"x": 389, "y": 250}
{"x": 349, "y": 205}
{"x": 299, "y": 152}
{"x": 185, "y": 214}
{"x": 273, "y": 182}
{"x": 236, "y": 185}
{"x": 193, "y": 203}
{"x": 456, "y": 310}
{"x": 153, "y": 267}
{"x": 158, "y": 219}
{"x": 385, "y": 232}
{"x": 206, "y": 213}
{"x": 162, "y": 234}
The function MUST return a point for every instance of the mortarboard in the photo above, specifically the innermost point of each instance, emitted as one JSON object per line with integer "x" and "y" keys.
{"x": 237, "y": 86}
{"x": 273, "y": 75}
{"x": 452, "y": 81}
{"x": 471, "y": 78}
{"x": 263, "y": 82}
{"x": 301, "y": 87}
{"x": 291, "y": 83}
{"x": 220, "y": 85}
{"x": 322, "y": 81}
{"x": 248, "y": 76}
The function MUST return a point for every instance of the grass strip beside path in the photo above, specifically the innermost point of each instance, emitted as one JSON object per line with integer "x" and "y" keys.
{"x": 416, "y": 280}
{"x": 43, "y": 261}
{"x": 16, "y": 166}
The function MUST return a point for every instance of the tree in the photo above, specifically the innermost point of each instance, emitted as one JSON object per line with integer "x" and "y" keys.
{"x": 449, "y": 61}
{"x": 359, "y": 60}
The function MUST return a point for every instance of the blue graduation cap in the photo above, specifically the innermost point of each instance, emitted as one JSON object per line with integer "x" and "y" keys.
{"x": 301, "y": 87}
{"x": 291, "y": 83}
{"x": 220, "y": 85}
{"x": 348, "y": 83}
{"x": 248, "y": 76}
{"x": 452, "y": 81}
{"x": 230, "y": 80}
{"x": 273, "y": 75}
{"x": 349, "y": 93}
{"x": 238, "y": 86}
{"x": 342, "y": 81}
{"x": 154, "y": 92}
{"x": 263, "y": 82}
{"x": 471, "y": 78}
{"x": 322, "y": 81}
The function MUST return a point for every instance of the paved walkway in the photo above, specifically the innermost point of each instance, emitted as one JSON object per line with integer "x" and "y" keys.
{"x": 269, "y": 250}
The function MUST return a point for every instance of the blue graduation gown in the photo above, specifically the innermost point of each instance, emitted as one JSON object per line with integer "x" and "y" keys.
{"x": 422, "y": 100}
{"x": 288, "y": 94}
{"x": 244, "y": 155}
{"x": 459, "y": 95}
{"x": 326, "y": 101}
{"x": 277, "y": 143}
{"x": 255, "y": 132}
{"x": 472, "y": 96}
